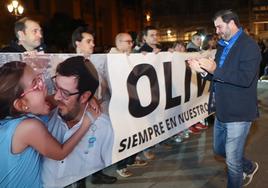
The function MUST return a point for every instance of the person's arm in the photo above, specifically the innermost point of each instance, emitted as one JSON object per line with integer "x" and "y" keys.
{"x": 33, "y": 133}
{"x": 207, "y": 64}
{"x": 198, "y": 66}
{"x": 195, "y": 65}
{"x": 94, "y": 104}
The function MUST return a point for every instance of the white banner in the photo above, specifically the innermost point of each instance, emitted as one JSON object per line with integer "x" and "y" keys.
{"x": 154, "y": 97}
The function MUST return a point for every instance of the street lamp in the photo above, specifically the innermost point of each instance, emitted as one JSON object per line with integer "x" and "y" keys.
{"x": 148, "y": 17}
{"x": 168, "y": 32}
{"x": 15, "y": 8}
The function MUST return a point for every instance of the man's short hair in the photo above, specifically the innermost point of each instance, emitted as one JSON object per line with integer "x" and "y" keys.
{"x": 20, "y": 25}
{"x": 77, "y": 34}
{"x": 118, "y": 37}
{"x": 227, "y": 16}
{"x": 196, "y": 35}
{"x": 83, "y": 70}
{"x": 146, "y": 29}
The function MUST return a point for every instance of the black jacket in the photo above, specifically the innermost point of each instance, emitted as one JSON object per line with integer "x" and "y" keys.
{"x": 235, "y": 83}
{"x": 147, "y": 48}
{"x": 15, "y": 47}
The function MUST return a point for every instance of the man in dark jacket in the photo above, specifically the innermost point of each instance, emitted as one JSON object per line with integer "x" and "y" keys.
{"x": 151, "y": 38}
{"x": 234, "y": 76}
{"x": 29, "y": 37}
{"x": 83, "y": 43}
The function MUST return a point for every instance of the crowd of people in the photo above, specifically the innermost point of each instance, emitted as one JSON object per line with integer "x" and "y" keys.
{"x": 34, "y": 130}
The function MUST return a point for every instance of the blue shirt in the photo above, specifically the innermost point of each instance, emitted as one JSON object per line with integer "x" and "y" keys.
{"x": 17, "y": 170}
{"x": 227, "y": 46}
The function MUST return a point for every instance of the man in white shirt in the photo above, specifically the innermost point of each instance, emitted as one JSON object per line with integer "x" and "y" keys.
{"x": 75, "y": 84}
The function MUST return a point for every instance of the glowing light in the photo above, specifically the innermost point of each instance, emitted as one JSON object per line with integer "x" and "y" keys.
{"x": 168, "y": 32}
{"x": 15, "y": 4}
{"x": 20, "y": 9}
{"x": 10, "y": 8}
{"x": 148, "y": 17}
{"x": 15, "y": 8}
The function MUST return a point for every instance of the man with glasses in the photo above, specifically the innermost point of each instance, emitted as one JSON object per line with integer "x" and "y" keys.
{"x": 75, "y": 84}
{"x": 123, "y": 43}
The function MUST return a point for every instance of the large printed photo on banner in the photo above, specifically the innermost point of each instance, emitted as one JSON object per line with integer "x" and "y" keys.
{"x": 154, "y": 96}
{"x": 149, "y": 99}
{"x": 93, "y": 152}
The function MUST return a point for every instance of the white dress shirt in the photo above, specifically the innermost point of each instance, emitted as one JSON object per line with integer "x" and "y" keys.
{"x": 93, "y": 152}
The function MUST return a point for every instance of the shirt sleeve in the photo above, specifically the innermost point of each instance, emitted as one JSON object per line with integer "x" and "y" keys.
{"x": 108, "y": 141}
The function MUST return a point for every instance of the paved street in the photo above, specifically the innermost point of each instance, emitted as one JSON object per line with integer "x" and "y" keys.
{"x": 191, "y": 164}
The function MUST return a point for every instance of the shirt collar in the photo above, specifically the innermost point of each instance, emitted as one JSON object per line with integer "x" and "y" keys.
{"x": 232, "y": 39}
{"x": 78, "y": 124}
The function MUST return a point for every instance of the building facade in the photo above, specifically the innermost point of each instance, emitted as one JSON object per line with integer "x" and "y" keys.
{"x": 176, "y": 20}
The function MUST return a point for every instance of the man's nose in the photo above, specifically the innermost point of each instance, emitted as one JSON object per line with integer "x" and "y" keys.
{"x": 57, "y": 95}
{"x": 39, "y": 35}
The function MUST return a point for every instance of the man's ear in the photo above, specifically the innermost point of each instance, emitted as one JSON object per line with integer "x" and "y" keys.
{"x": 144, "y": 37}
{"x": 232, "y": 23}
{"x": 20, "y": 35}
{"x": 20, "y": 105}
{"x": 77, "y": 43}
{"x": 85, "y": 96}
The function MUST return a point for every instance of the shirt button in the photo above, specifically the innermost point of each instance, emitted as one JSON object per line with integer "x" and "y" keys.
{"x": 62, "y": 161}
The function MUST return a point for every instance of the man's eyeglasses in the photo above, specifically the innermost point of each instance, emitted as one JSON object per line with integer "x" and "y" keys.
{"x": 65, "y": 94}
{"x": 128, "y": 41}
{"x": 38, "y": 84}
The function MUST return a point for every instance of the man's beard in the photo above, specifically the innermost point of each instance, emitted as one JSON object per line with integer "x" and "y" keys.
{"x": 71, "y": 114}
{"x": 227, "y": 35}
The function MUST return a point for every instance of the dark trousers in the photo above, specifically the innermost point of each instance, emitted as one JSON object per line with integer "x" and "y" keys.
{"x": 123, "y": 163}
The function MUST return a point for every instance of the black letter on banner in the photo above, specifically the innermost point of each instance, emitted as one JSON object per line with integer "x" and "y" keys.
{"x": 122, "y": 145}
{"x": 187, "y": 84}
{"x": 135, "y": 108}
{"x": 170, "y": 102}
{"x": 201, "y": 83}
